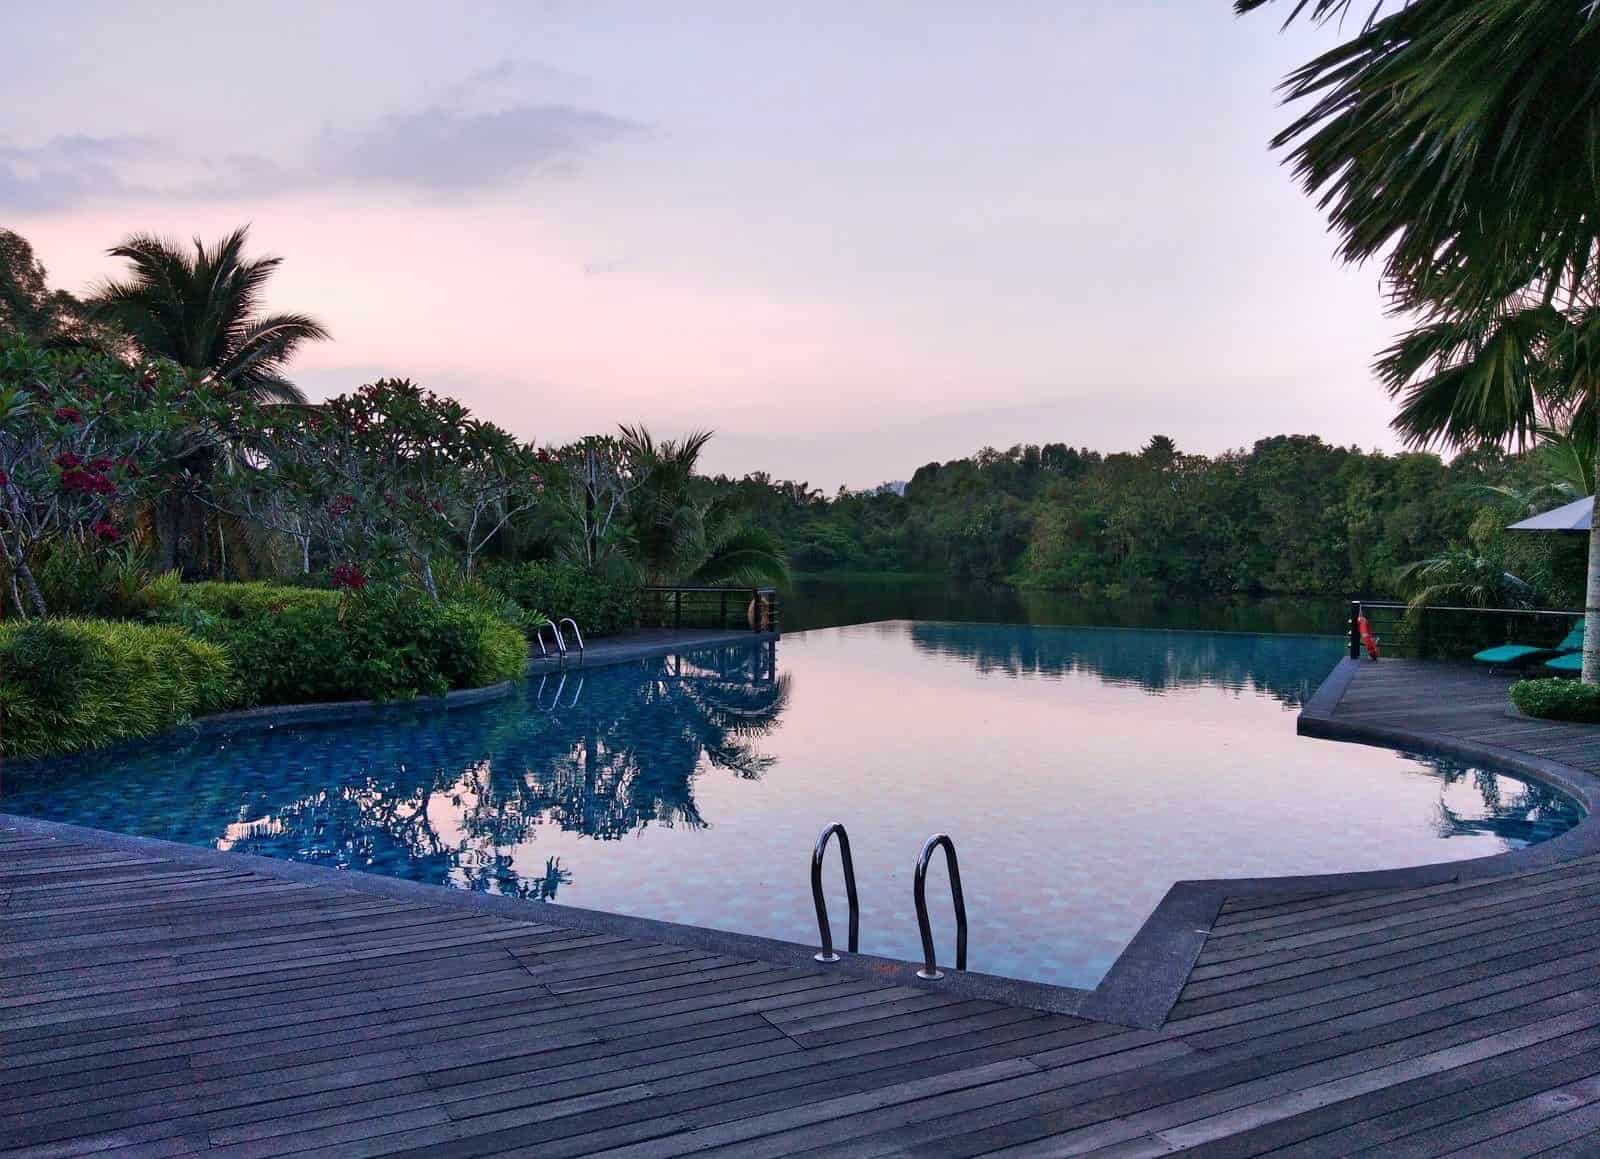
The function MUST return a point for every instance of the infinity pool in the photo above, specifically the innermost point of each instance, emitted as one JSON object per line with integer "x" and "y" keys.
{"x": 1079, "y": 771}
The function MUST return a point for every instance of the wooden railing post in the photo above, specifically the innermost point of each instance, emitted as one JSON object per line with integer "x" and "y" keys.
{"x": 1355, "y": 629}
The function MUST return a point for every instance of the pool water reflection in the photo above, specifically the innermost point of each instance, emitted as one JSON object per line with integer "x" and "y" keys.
{"x": 1080, "y": 771}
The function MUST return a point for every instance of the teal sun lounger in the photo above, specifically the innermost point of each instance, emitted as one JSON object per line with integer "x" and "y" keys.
{"x": 1569, "y": 662}
{"x": 1507, "y": 655}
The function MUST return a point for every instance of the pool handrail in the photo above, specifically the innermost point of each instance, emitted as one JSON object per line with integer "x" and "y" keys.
{"x": 826, "y": 954}
{"x": 919, "y": 892}
{"x": 555, "y": 631}
{"x": 576, "y": 635}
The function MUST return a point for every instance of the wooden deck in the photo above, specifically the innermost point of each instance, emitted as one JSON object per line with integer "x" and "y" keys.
{"x": 154, "y": 1006}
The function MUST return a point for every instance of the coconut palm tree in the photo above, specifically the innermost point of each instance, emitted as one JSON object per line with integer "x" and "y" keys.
{"x": 1455, "y": 139}
{"x": 201, "y": 310}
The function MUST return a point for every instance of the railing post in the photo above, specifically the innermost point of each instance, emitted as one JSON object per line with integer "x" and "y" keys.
{"x": 1355, "y": 629}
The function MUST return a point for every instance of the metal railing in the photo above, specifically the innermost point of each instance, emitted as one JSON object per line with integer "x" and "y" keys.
{"x": 576, "y": 635}
{"x": 1452, "y": 633}
{"x": 709, "y": 607}
{"x": 555, "y": 633}
{"x": 826, "y": 954}
{"x": 919, "y": 890}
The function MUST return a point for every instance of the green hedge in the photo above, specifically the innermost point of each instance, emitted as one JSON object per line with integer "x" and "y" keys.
{"x": 67, "y": 685}
{"x": 602, "y": 607}
{"x": 1553, "y": 698}
{"x": 292, "y": 645}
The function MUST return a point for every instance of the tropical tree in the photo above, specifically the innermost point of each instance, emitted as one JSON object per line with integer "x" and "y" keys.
{"x": 29, "y": 308}
{"x": 675, "y": 537}
{"x": 83, "y": 439}
{"x": 1458, "y": 140}
{"x": 390, "y": 472}
{"x": 201, "y": 309}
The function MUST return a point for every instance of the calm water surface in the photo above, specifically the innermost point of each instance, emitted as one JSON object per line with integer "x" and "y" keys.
{"x": 1080, "y": 772}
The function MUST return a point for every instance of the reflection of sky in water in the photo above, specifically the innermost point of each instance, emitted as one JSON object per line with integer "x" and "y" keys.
{"x": 1080, "y": 771}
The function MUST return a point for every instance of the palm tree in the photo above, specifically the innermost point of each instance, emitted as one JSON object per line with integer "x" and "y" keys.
{"x": 675, "y": 538}
{"x": 200, "y": 310}
{"x": 1454, "y": 138}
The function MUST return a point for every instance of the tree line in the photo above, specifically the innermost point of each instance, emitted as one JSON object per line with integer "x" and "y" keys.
{"x": 1291, "y": 515}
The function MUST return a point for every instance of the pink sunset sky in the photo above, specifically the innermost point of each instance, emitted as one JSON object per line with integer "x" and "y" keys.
{"x": 852, "y": 238}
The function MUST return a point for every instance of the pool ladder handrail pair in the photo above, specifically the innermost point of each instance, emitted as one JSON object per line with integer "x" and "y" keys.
{"x": 560, "y": 640}
{"x": 919, "y": 892}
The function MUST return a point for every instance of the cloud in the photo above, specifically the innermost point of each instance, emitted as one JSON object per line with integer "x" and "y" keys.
{"x": 445, "y": 148}
{"x": 67, "y": 170}
{"x": 448, "y": 149}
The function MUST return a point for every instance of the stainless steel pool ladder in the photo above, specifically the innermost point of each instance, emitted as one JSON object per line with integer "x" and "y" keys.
{"x": 826, "y": 954}
{"x": 560, "y": 640}
{"x": 919, "y": 890}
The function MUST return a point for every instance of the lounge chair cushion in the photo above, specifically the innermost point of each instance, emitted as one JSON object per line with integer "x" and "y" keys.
{"x": 1511, "y": 653}
{"x": 1571, "y": 662}
{"x": 1506, "y": 653}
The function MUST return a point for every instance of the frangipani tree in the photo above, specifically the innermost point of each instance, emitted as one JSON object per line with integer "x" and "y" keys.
{"x": 83, "y": 439}
{"x": 392, "y": 471}
{"x": 1459, "y": 141}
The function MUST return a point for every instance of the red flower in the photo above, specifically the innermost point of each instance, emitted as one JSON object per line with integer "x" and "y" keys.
{"x": 148, "y": 382}
{"x": 68, "y": 414}
{"x": 101, "y": 464}
{"x": 4, "y": 478}
{"x": 341, "y": 506}
{"x": 349, "y": 576}
{"x": 107, "y": 531}
{"x": 66, "y": 460}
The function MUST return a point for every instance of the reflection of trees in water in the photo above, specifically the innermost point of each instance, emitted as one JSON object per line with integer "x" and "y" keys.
{"x": 1531, "y": 812}
{"x": 450, "y": 796}
{"x": 1289, "y": 668}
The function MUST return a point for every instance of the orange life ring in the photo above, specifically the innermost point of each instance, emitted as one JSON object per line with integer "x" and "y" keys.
{"x": 1367, "y": 638}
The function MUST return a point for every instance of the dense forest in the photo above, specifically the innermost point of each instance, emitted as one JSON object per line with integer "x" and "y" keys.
{"x": 1291, "y": 515}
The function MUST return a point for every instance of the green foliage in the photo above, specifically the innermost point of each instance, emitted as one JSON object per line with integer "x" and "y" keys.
{"x": 602, "y": 605}
{"x": 294, "y": 645}
{"x": 1291, "y": 515}
{"x": 1556, "y": 699}
{"x": 199, "y": 311}
{"x": 84, "y": 439}
{"x": 675, "y": 538}
{"x": 67, "y": 685}
{"x": 115, "y": 585}
{"x": 391, "y": 473}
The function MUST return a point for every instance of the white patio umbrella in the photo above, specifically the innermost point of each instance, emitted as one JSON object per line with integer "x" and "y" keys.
{"x": 1574, "y": 516}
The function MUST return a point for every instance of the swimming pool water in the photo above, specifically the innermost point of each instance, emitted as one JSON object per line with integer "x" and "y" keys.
{"x": 1080, "y": 772}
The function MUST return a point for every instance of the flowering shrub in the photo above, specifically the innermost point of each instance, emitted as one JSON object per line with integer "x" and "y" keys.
{"x": 390, "y": 473}
{"x": 81, "y": 437}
